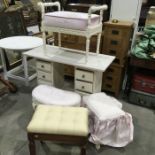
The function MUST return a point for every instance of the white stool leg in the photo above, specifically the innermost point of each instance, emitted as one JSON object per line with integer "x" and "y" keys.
{"x": 87, "y": 48}
{"x": 25, "y": 65}
{"x": 98, "y": 43}
{"x": 98, "y": 146}
{"x": 59, "y": 39}
{"x": 4, "y": 64}
{"x": 44, "y": 41}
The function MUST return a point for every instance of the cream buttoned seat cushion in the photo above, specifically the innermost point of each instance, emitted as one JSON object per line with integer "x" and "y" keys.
{"x": 44, "y": 94}
{"x": 59, "y": 120}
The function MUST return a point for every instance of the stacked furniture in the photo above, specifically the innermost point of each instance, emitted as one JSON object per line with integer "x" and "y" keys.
{"x": 88, "y": 75}
{"x": 140, "y": 85}
{"x": 81, "y": 24}
{"x": 116, "y": 42}
{"x": 141, "y": 82}
{"x": 78, "y": 42}
{"x": 78, "y": 39}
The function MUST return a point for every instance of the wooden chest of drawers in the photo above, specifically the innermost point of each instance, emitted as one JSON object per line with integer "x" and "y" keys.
{"x": 117, "y": 40}
{"x": 112, "y": 79}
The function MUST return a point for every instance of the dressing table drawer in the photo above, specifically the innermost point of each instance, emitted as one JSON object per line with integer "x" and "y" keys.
{"x": 44, "y": 75}
{"x": 84, "y": 75}
{"x": 45, "y": 66}
{"x": 84, "y": 86}
{"x": 87, "y": 81}
{"x": 40, "y": 81}
{"x": 50, "y": 73}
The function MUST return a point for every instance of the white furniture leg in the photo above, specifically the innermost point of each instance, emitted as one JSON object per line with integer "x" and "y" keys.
{"x": 59, "y": 39}
{"x": 98, "y": 146}
{"x": 98, "y": 43}
{"x": 4, "y": 64}
{"x": 87, "y": 48}
{"x": 44, "y": 41}
{"x": 24, "y": 61}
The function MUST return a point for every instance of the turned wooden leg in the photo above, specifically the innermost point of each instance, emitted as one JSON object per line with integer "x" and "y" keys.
{"x": 32, "y": 147}
{"x": 87, "y": 48}
{"x": 83, "y": 150}
{"x": 98, "y": 43}
{"x": 44, "y": 41}
{"x": 59, "y": 39}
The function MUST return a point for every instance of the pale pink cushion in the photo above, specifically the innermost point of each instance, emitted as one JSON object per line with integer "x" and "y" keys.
{"x": 70, "y": 20}
{"x": 44, "y": 94}
{"x": 108, "y": 123}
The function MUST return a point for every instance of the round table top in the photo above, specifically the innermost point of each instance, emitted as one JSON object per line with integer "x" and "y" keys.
{"x": 20, "y": 42}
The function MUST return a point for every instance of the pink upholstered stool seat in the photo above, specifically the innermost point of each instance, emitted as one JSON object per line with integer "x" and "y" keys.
{"x": 108, "y": 123}
{"x": 49, "y": 95}
{"x": 70, "y": 20}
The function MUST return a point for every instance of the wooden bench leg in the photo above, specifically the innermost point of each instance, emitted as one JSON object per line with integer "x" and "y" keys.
{"x": 83, "y": 150}
{"x": 98, "y": 43}
{"x": 32, "y": 147}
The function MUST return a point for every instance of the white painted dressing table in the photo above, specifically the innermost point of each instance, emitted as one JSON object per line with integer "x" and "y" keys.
{"x": 20, "y": 44}
{"x": 88, "y": 76}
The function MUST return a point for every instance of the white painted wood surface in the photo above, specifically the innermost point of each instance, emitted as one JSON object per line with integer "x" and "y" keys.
{"x": 20, "y": 43}
{"x": 50, "y": 73}
{"x": 95, "y": 62}
{"x": 87, "y": 81}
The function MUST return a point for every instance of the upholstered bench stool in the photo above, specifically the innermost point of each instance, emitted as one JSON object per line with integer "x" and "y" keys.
{"x": 108, "y": 123}
{"x": 44, "y": 94}
{"x": 59, "y": 124}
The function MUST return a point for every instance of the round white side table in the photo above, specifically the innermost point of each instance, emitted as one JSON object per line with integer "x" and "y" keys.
{"x": 20, "y": 44}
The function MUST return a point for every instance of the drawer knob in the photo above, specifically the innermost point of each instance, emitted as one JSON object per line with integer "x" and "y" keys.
{"x": 43, "y": 76}
{"x": 115, "y": 32}
{"x": 114, "y": 42}
{"x": 83, "y": 87}
{"x": 108, "y": 86}
{"x": 109, "y": 78}
{"x": 36, "y": 136}
{"x": 83, "y": 76}
{"x": 110, "y": 70}
{"x": 65, "y": 36}
{"x": 113, "y": 52}
{"x": 42, "y": 66}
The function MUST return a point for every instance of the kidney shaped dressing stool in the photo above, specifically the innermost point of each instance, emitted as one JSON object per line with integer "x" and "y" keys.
{"x": 60, "y": 124}
{"x": 44, "y": 94}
